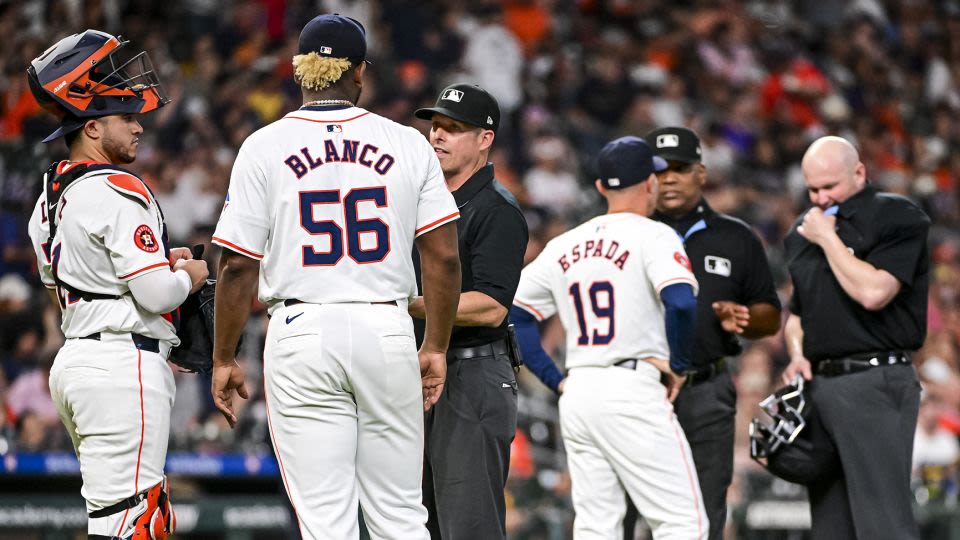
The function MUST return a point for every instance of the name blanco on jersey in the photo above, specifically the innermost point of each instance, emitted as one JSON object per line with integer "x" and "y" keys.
{"x": 594, "y": 249}
{"x": 350, "y": 152}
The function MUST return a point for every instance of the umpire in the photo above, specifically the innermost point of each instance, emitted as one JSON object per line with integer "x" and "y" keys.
{"x": 860, "y": 269}
{"x": 737, "y": 299}
{"x": 470, "y": 429}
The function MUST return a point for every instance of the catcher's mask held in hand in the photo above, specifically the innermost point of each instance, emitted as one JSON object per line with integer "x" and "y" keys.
{"x": 90, "y": 75}
{"x": 785, "y": 407}
{"x": 793, "y": 445}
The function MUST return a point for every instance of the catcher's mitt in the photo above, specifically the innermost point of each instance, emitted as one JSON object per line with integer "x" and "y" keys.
{"x": 195, "y": 352}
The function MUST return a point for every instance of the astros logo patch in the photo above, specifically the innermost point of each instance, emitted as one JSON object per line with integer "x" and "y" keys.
{"x": 683, "y": 260}
{"x": 145, "y": 240}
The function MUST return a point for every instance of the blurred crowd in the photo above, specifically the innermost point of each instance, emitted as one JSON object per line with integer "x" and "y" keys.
{"x": 758, "y": 80}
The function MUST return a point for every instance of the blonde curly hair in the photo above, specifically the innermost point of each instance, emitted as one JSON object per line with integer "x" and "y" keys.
{"x": 315, "y": 72}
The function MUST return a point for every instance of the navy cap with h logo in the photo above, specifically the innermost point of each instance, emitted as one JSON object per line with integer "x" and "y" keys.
{"x": 467, "y": 103}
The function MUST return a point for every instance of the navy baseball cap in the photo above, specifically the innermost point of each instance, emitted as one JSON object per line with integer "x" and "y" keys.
{"x": 467, "y": 103}
{"x": 627, "y": 161}
{"x": 68, "y": 124}
{"x": 335, "y": 36}
{"x": 675, "y": 144}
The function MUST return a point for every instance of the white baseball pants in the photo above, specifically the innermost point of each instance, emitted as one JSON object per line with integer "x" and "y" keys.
{"x": 114, "y": 401}
{"x": 620, "y": 432}
{"x": 345, "y": 408}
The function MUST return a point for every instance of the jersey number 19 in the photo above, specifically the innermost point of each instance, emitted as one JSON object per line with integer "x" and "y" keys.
{"x": 601, "y": 310}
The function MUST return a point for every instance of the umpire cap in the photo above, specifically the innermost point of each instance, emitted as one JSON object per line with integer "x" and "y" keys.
{"x": 627, "y": 161}
{"x": 675, "y": 144}
{"x": 467, "y": 103}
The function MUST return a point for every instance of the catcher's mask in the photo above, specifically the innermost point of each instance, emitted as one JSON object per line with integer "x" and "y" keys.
{"x": 90, "y": 75}
{"x": 793, "y": 445}
{"x": 786, "y": 408}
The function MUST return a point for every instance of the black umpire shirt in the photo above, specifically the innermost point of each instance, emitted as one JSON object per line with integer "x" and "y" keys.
{"x": 887, "y": 231}
{"x": 492, "y": 237}
{"x": 729, "y": 263}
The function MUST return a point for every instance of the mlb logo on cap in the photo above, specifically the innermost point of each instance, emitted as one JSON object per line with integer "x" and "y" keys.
{"x": 453, "y": 95}
{"x": 675, "y": 143}
{"x": 668, "y": 141}
{"x": 467, "y": 103}
{"x": 326, "y": 50}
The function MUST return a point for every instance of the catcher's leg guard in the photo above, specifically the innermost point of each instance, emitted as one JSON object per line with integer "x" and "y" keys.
{"x": 158, "y": 520}
{"x": 155, "y": 519}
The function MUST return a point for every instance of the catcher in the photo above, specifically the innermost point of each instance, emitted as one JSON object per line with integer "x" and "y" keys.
{"x": 102, "y": 251}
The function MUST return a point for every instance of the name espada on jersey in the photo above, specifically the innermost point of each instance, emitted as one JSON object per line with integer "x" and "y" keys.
{"x": 108, "y": 230}
{"x": 603, "y": 279}
{"x": 330, "y": 201}
{"x": 595, "y": 248}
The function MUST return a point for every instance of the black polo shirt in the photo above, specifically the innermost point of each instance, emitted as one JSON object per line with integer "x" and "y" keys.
{"x": 729, "y": 263}
{"x": 890, "y": 233}
{"x": 492, "y": 235}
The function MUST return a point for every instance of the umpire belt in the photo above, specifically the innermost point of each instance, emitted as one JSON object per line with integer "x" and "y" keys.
{"x": 704, "y": 374}
{"x": 496, "y": 348}
{"x": 855, "y": 363}
{"x": 139, "y": 341}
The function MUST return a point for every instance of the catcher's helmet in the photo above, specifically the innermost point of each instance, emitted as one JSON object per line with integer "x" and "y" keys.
{"x": 83, "y": 76}
{"x": 794, "y": 445}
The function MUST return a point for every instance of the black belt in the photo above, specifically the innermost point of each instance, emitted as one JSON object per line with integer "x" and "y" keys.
{"x": 293, "y": 301}
{"x": 497, "y": 348}
{"x": 693, "y": 377}
{"x": 142, "y": 342}
{"x": 854, "y": 363}
{"x": 629, "y": 363}
{"x": 706, "y": 373}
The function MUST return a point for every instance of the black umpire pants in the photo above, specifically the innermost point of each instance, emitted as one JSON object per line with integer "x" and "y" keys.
{"x": 870, "y": 417}
{"x": 707, "y": 413}
{"x": 468, "y": 437}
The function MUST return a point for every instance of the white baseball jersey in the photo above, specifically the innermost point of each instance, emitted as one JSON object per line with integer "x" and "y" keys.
{"x": 604, "y": 279}
{"x": 109, "y": 230}
{"x": 330, "y": 202}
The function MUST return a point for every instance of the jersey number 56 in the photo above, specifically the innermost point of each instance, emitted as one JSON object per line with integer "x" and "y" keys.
{"x": 354, "y": 227}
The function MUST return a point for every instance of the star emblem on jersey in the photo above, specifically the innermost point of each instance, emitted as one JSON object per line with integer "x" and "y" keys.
{"x": 145, "y": 239}
{"x": 683, "y": 260}
{"x": 455, "y": 95}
